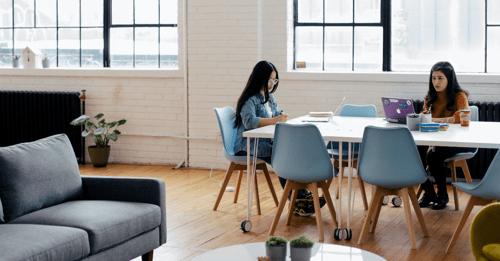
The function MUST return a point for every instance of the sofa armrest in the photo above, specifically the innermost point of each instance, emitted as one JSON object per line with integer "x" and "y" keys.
{"x": 143, "y": 190}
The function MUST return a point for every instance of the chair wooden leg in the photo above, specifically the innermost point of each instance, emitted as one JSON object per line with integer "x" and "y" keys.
{"x": 376, "y": 215}
{"x": 148, "y": 256}
{"x": 283, "y": 201}
{"x": 291, "y": 205}
{"x": 419, "y": 191}
{"x": 238, "y": 185}
{"x": 418, "y": 211}
{"x": 454, "y": 179}
{"x": 377, "y": 197}
{"x": 403, "y": 193}
{"x": 270, "y": 183}
{"x": 363, "y": 193}
{"x": 257, "y": 199}
{"x": 227, "y": 177}
{"x": 329, "y": 202}
{"x": 317, "y": 211}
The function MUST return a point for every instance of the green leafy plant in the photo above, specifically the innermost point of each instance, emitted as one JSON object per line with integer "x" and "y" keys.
{"x": 413, "y": 115}
{"x": 101, "y": 132}
{"x": 15, "y": 57}
{"x": 301, "y": 241}
{"x": 275, "y": 241}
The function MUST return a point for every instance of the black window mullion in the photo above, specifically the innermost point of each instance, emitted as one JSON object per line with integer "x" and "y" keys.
{"x": 159, "y": 34}
{"x": 80, "y": 33}
{"x": 387, "y": 46}
{"x": 133, "y": 37}
{"x": 486, "y": 36}
{"x": 295, "y": 22}
{"x": 324, "y": 36}
{"x": 13, "y": 42}
{"x": 34, "y": 13}
{"x": 106, "y": 31}
{"x": 353, "y": 24}
{"x": 57, "y": 33}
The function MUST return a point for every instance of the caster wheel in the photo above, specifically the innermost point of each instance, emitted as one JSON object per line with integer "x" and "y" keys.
{"x": 385, "y": 201}
{"x": 337, "y": 235}
{"x": 246, "y": 226}
{"x": 397, "y": 201}
{"x": 347, "y": 234}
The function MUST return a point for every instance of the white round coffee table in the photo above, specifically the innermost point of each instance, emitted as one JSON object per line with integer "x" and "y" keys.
{"x": 320, "y": 251}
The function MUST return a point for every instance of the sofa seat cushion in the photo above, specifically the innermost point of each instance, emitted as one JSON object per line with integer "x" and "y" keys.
{"x": 41, "y": 242}
{"x": 108, "y": 223}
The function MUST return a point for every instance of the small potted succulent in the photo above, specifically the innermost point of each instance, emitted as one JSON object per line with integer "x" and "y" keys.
{"x": 300, "y": 248}
{"x": 15, "y": 61}
{"x": 276, "y": 248}
{"x": 413, "y": 121}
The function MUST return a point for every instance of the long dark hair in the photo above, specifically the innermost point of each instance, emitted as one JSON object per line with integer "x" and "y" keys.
{"x": 258, "y": 79}
{"x": 453, "y": 87}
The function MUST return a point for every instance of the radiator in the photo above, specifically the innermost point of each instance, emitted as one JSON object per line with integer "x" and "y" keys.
{"x": 488, "y": 111}
{"x": 31, "y": 115}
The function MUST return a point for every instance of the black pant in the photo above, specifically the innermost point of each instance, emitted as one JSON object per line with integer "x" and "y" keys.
{"x": 435, "y": 161}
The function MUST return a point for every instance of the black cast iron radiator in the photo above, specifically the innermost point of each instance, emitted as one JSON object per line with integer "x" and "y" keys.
{"x": 488, "y": 111}
{"x": 31, "y": 115}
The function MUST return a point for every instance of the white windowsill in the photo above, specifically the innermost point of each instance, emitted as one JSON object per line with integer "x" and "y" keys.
{"x": 93, "y": 72}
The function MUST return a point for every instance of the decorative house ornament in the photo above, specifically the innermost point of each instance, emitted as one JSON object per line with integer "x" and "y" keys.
{"x": 32, "y": 58}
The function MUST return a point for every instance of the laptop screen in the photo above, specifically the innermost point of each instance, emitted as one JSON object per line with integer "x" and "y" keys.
{"x": 396, "y": 109}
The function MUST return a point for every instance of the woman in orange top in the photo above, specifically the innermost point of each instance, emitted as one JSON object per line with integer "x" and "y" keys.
{"x": 445, "y": 98}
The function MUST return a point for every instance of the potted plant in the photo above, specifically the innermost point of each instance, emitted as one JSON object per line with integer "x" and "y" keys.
{"x": 276, "y": 248}
{"x": 300, "y": 248}
{"x": 413, "y": 121}
{"x": 15, "y": 61}
{"x": 45, "y": 61}
{"x": 101, "y": 134}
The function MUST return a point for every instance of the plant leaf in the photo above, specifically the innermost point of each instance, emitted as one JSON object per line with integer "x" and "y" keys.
{"x": 113, "y": 136}
{"x": 86, "y": 133}
{"x": 98, "y": 116}
{"x": 113, "y": 124}
{"x": 80, "y": 120}
{"x": 117, "y": 132}
{"x": 121, "y": 122}
{"x": 99, "y": 131}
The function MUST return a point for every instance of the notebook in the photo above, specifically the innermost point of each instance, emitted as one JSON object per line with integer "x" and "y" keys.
{"x": 396, "y": 109}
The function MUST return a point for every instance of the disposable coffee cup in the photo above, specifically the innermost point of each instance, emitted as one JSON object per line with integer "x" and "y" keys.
{"x": 464, "y": 118}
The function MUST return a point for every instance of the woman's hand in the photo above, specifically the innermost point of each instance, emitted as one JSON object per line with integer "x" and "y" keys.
{"x": 444, "y": 120}
{"x": 281, "y": 118}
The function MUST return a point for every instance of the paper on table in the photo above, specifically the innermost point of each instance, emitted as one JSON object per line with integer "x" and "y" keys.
{"x": 321, "y": 113}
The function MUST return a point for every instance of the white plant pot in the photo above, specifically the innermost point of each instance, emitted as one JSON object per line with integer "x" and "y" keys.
{"x": 413, "y": 123}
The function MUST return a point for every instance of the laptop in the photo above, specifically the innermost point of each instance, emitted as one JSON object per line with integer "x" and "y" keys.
{"x": 396, "y": 109}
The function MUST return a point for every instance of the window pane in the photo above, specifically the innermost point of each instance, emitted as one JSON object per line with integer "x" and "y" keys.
{"x": 367, "y": 11}
{"x": 5, "y": 13}
{"x": 146, "y": 47}
{"x": 168, "y": 11}
{"x": 121, "y": 47}
{"x": 69, "y": 13}
{"x": 24, "y": 10}
{"x": 338, "y": 48}
{"x": 92, "y": 12}
{"x": 368, "y": 48}
{"x": 310, "y": 11}
{"x": 5, "y": 47}
{"x": 122, "y": 12}
{"x": 45, "y": 40}
{"x": 46, "y": 13}
{"x": 69, "y": 47}
{"x": 92, "y": 47}
{"x": 423, "y": 34}
{"x": 308, "y": 46}
{"x": 338, "y": 11}
{"x": 146, "y": 12}
{"x": 493, "y": 49}
{"x": 22, "y": 39}
{"x": 493, "y": 12}
{"x": 169, "y": 47}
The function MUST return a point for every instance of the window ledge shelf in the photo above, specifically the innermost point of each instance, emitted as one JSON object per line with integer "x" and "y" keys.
{"x": 93, "y": 72}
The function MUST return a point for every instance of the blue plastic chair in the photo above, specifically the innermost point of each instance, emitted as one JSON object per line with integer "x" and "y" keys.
{"x": 481, "y": 193}
{"x": 390, "y": 161}
{"x": 300, "y": 156}
{"x": 228, "y": 133}
{"x": 350, "y": 110}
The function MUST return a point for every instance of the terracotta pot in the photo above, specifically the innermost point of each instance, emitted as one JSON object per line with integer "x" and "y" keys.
{"x": 99, "y": 156}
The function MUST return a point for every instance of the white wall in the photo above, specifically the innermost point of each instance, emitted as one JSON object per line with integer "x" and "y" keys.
{"x": 225, "y": 40}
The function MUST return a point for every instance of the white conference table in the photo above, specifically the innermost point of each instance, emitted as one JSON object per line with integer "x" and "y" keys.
{"x": 350, "y": 129}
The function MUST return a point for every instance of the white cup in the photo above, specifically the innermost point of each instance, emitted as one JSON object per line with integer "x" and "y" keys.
{"x": 425, "y": 118}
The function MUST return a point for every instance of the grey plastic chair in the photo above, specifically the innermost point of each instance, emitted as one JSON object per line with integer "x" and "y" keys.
{"x": 481, "y": 193}
{"x": 300, "y": 156}
{"x": 350, "y": 110}
{"x": 390, "y": 161}
{"x": 228, "y": 133}
{"x": 459, "y": 160}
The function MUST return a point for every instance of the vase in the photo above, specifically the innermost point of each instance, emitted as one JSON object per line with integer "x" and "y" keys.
{"x": 99, "y": 156}
{"x": 276, "y": 253}
{"x": 413, "y": 123}
{"x": 15, "y": 63}
{"x": 300, "y": 253}
{"x": 46, "y": 63}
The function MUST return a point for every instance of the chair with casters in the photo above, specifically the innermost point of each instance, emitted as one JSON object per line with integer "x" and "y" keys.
{"x": 228, "y": 133}
{"x": 393, "y": 168}
{"x": 350, "y": 110}
{"x": 300, "y": 156}
{"x": 459, "y": 160}
{"x": 481, "y": 193}
{"x": 485, "y": 244}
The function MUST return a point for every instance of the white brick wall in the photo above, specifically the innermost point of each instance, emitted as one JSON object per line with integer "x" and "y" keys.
{"x": 225, "y": 40}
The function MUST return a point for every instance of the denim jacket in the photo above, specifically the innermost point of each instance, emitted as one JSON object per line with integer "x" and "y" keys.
{"x": 251, "y": 113}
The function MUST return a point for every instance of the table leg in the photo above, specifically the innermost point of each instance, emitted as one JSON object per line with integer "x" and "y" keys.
{"x": 349, "y": 189}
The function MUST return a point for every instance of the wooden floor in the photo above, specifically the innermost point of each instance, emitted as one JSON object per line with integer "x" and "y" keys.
{"x": 193, "y": 227}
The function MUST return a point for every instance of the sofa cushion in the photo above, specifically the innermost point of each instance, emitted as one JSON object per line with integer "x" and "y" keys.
{"x": 38, "y": 174}
{"x": 108, "y": 223}
{"x": 39, "y": 242}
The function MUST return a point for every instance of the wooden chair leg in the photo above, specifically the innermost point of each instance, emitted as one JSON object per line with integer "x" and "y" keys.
{"x": 454, "y": 179}
{"x": 419, "y": 191}
{"x": 376, "y": 215}
{"x": 377, "y": 197}
{"x": 329, "y": 202}
{"x": 238, "y": 185}
{"x": 363, "y": 193}
{"x": 418, "y": 211}
{"x": 148, "y": 256}
{"x": 409, "y": 223}
{"x": 229, "y": 172}
{"x": 270, "y": 183}
{"x": 291, "y": 205}
{"x": 317, "y": 211}
{"x": 257, "y": 199}
{"x": 465, "y": 168}
{"x": 283, "y": 201}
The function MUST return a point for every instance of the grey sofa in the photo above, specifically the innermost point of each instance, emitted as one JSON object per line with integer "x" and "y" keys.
{"x": 49, "y": 212}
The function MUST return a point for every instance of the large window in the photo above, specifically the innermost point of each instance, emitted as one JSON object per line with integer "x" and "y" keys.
{"x": 91, "y": 33}
{"x": 396, "y": 35}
